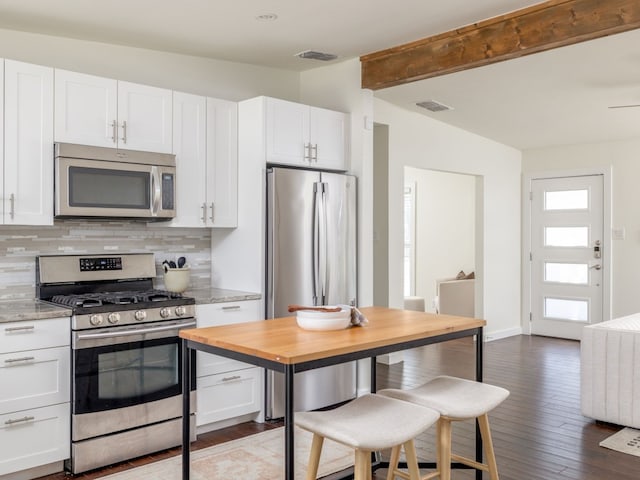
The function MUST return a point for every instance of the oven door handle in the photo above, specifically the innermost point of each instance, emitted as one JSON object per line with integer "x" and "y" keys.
{"x": 124, "y": 333}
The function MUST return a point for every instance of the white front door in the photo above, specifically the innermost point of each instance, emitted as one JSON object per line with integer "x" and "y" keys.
{"x": 567, "y": 245}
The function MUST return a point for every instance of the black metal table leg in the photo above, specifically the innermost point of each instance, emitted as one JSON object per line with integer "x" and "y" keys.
{"x": 186, "y": 410}
{"x": 374, "y": 366}
{"x": 289, "y": 451}
{"x": 479, "y": 360}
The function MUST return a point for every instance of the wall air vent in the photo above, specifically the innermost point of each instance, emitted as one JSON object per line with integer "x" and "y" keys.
{"x": 433, "y": 106}
{"x": 313, "y": 55}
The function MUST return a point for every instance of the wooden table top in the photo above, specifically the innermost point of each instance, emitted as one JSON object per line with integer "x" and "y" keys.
{"x": 281, "y": 340}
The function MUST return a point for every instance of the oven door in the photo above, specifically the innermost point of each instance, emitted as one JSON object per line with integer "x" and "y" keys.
{"x": 96, "y": 188}
{"x": 120, "y": 367}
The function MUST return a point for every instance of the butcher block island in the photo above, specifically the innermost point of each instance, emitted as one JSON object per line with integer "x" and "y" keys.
{"x": 281, "y": 345}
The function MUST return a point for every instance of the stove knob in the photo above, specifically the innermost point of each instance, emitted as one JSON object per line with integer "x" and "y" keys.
{"x": 180, "y": 311}
{"x": 113, "y": 317}
{"x": 140, "y": 315}
{"x": 95, "y": 320}
{"x": 165, "y": 312}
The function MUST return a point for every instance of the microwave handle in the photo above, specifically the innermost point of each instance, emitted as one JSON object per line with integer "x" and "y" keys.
{"x": 156, "y": 190}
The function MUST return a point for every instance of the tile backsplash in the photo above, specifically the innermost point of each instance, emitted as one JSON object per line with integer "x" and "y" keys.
{"x": 19, "y": 246}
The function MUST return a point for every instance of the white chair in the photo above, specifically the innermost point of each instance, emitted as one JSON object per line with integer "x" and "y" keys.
{"x": 368, "y": 424}
{"x": 456, "y": 399}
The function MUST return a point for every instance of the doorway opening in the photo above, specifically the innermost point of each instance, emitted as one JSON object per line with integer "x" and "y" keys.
{"x": 440, "y": 247}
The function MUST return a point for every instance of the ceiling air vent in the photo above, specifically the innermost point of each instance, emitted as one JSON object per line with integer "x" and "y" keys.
{"x": 313, "y": 55}
{"x": 433, "y": 106}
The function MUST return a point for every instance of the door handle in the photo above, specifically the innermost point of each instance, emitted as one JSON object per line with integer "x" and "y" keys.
{"x": 597, "y": 266}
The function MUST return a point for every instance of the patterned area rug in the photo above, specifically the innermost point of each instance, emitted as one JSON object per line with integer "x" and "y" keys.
{"x": 256, "y": 457}
{"x": 626, "y": 440}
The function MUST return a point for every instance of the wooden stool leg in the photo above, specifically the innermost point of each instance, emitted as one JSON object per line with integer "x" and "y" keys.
{"x": 412, "y": 460}
{"x": 362, "y": 462}
{"x": 393, "y": 462}
{"x": 444, "y": 444}
{"x": 314, "y": 456}
{"x": 487, "y": 444}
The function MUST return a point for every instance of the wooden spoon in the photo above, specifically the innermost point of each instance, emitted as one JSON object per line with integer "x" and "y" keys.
{"x": 295, "y": 308}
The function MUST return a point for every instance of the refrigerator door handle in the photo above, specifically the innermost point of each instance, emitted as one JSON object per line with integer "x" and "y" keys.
{"x": 324, "y": 240}
{"x": 315, "y": 244}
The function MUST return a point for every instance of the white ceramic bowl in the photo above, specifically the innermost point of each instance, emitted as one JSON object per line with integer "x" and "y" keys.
{"x": 314, "y": 320}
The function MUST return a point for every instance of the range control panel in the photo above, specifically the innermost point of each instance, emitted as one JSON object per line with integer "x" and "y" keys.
{"x": 100, "y": 263}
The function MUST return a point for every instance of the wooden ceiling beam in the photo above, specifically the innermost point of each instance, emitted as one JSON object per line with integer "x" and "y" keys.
{"x": 541, "y": 27}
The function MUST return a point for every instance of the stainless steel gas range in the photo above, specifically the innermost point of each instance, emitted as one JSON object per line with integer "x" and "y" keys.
{"x": 126, "y": 364}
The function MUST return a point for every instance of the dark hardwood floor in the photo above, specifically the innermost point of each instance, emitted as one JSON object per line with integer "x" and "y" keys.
{"x": 538, "y": 432}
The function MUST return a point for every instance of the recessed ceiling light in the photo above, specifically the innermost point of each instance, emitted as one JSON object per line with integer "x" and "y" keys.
{"x": 267, "y": 17}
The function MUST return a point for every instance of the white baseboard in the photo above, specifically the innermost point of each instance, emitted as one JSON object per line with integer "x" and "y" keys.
{"x": 497, "y": 335}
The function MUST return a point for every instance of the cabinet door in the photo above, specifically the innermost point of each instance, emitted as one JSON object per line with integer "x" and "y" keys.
{"x": 28, "y": 144}
{"x": 85, "y": 109}
{"x": 222, "y": 163}
{"x": 31, "y": 438}
{"x": 287, "y": 132}
{"x": 145, "y": 118}
{"x": 189, "y": 146}
{"x": 328, "y": 138}
{"x": 34, "y": 378}
{"x": 229, "y": 395}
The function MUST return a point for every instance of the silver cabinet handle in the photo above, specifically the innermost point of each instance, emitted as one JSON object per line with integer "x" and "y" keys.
{"x": 597, "y": 266}
{"x": 211, "y": 217}
{"x": 204, "y": 213}
{"x": 21, "y": 359}
{"x": 314, "y": 156}
{"x": 26, "y": 328}
{"x": 124, "y": 131}
{"x": 231, "y": 308}
{"x": 114, "y": 131}
{"x": 12, "y": 201}
{"x": 19, "y": 420}
{"x": 228, "y": 379}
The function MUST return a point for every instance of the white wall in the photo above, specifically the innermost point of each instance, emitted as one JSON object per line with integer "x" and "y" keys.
{"x": 445, "y": 227}
{"x": 421, "y": 142}
{"x": 623, "y": 159}
{"x": 198, "y": 75}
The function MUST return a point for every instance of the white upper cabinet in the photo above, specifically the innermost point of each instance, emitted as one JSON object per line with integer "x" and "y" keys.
{"x": 189, "y": 146}
{"x": 301, "y": 135}
{"x": 222, "y": 163}
{"x": 28, "y": 144}
{"x": 205, "y": 138}
{"x": 99, "y": 111}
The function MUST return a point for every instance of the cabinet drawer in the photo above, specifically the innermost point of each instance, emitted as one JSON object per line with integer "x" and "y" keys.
{"x": 29, "y": 335}
{"x": 34, "y": 378}
{"x": 229, "y": 395}
{"x": 31, "y": 438}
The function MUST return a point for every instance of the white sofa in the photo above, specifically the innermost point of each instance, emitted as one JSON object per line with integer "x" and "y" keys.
{"x": 456, "y": 297}
{"x": 610, "y": 371}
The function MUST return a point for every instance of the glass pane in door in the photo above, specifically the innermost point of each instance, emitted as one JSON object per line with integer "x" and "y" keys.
{"x": 566, "y": 309}
{"x": 566, "y": 200}
{"x": 566, "y": 236}
{"x": 575, "y": 273}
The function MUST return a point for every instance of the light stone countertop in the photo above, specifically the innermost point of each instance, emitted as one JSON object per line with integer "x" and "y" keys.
{"x": 219, "y": 295}
{"x": 26, "y": 310}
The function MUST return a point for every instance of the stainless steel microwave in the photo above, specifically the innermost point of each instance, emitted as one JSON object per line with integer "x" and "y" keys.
{"x": 113, "y": 183}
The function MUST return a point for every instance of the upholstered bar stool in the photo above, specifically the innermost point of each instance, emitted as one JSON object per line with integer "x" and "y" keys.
{"x": 456, "y": 399}
{"x": 368, "y": 424}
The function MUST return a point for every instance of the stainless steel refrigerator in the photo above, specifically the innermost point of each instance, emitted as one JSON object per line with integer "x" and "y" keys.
{"x": 311, "y": 260}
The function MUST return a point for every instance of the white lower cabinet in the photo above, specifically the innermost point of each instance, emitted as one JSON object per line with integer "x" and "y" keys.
{"x": 34, "y": 398}
{"x": 230, "y": 394}
{"x": 35, "y": 437}
{"x": 227, "y": 388}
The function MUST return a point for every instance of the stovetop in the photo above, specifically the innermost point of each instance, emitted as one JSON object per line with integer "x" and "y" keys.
{"x": 115, "y": 301}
